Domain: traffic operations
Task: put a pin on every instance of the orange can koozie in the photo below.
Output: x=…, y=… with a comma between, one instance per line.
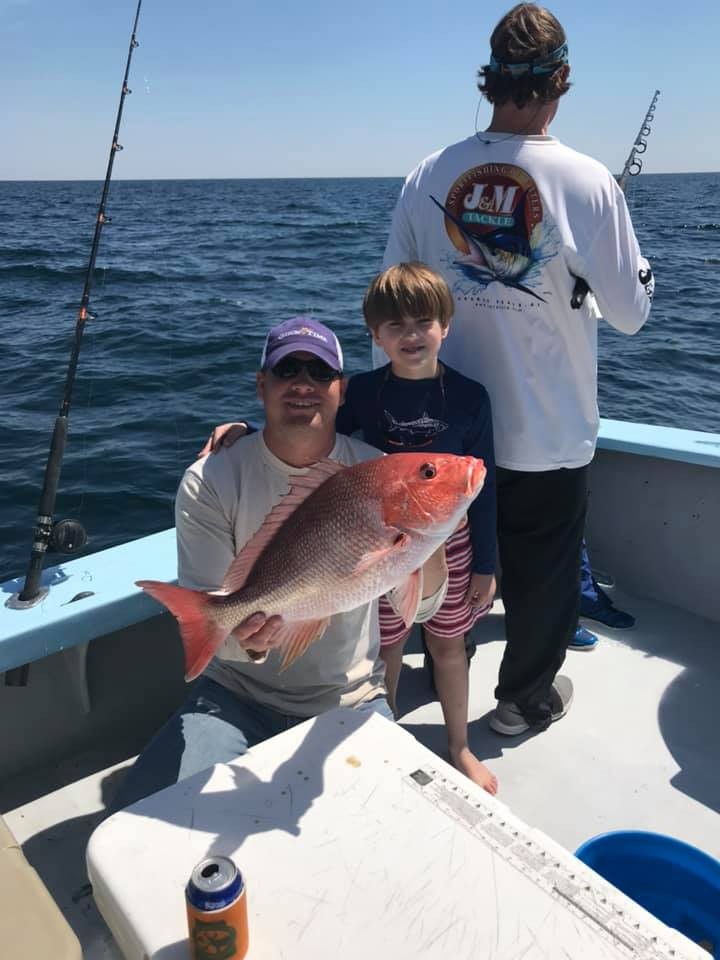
x=217, y=911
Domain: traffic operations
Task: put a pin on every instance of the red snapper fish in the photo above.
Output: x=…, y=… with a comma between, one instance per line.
x=341, y=537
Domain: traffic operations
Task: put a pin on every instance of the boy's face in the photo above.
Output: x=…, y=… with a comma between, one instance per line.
x=412, y=344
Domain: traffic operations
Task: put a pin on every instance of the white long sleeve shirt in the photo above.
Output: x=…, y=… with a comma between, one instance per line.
x=523, y=214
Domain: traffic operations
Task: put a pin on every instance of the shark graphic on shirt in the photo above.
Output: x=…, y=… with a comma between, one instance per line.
x=413, y=432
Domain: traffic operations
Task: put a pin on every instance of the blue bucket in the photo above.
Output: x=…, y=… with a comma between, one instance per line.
x=674, y=881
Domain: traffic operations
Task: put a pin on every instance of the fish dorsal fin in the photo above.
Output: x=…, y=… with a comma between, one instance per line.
x=301, y=486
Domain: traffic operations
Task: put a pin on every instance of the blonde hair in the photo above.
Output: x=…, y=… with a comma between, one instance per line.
x=407, y=290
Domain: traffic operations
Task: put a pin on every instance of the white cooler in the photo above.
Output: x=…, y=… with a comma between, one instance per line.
x=358, y=843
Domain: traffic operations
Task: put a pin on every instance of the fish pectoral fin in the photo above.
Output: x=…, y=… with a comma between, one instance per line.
x=398, y=541
x=405, y=598
x=296, y=637
x=301, y=486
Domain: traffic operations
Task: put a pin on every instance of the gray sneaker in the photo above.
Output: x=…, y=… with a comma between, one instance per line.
x=507, y=718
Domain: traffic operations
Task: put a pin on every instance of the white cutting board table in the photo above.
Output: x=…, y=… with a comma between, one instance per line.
x=358, y=843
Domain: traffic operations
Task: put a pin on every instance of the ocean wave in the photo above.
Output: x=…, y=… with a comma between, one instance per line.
x=23, y=253
x=35, y=271
x=108, y=274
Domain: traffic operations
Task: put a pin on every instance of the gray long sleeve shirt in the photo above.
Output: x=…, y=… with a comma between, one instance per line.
x=222, y=501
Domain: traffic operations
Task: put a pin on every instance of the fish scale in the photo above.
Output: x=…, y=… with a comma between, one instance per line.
x=287, y=583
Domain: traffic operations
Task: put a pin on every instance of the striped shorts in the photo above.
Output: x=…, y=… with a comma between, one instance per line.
x=455, y=617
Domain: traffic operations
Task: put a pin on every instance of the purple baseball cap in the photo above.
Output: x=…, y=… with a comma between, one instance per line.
x=302, y=333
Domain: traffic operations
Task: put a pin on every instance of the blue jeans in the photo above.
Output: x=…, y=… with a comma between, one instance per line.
x=588, y=588
x=213, y=725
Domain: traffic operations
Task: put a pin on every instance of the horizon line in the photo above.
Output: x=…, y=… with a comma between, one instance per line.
x=386, y=176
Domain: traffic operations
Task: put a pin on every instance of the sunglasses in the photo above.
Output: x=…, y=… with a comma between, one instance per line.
x=290, y=367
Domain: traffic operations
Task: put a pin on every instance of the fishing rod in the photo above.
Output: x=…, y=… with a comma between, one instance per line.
x=67, y=536
x=633, y=166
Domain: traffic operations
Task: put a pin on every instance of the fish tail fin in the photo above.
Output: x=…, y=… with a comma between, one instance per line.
x=201, y=635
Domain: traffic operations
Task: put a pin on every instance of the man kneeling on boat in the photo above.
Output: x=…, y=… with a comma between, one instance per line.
x=243, y=696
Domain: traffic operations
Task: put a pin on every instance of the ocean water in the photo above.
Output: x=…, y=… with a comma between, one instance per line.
x=189, y=276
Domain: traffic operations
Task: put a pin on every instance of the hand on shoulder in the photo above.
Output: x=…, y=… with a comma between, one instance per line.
x=224, y=435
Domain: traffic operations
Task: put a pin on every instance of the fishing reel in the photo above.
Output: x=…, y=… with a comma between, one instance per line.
x=67, y=537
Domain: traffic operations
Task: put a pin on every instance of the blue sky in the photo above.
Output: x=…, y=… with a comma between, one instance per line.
x=242, y=88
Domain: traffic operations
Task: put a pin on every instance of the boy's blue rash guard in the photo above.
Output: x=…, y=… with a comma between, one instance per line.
x=451, y=414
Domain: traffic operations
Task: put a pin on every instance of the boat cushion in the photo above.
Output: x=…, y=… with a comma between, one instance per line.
x=31, y=924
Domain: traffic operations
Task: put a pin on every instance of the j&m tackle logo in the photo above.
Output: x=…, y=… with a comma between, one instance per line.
x=494, y=219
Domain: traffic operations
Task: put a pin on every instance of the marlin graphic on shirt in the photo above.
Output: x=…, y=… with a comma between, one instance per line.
x=410, y=432
x=501, y=254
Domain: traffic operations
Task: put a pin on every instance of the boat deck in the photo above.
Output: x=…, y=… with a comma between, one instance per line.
x=638, y=750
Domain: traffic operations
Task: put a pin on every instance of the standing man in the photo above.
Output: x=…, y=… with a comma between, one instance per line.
x=511, y=217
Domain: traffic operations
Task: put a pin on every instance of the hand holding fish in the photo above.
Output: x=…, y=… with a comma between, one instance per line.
x=258, y=633
x=224, y=435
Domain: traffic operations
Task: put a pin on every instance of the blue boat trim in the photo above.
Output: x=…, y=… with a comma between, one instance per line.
x=666, y=443
x=56, y=623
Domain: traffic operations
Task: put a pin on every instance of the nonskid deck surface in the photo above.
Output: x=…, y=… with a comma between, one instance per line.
x=638, y=750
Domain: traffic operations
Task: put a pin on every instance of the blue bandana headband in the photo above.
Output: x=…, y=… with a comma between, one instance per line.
x=539, y=67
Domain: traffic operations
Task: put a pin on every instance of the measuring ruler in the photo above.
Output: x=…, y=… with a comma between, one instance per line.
x=608, y=914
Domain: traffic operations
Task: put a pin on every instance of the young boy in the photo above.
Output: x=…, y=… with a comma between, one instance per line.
x=418, y=403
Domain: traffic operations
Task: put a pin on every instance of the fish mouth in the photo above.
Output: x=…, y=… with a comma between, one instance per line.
x=475, y=476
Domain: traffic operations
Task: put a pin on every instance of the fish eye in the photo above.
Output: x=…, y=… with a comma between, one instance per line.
x=428, y=471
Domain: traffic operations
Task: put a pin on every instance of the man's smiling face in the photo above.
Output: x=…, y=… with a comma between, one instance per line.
x=300, y=401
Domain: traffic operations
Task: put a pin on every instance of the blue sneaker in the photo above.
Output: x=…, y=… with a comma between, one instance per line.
x=604, y=611
x=583, y=640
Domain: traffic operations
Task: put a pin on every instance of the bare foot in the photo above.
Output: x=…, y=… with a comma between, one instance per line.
x=466, y=762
